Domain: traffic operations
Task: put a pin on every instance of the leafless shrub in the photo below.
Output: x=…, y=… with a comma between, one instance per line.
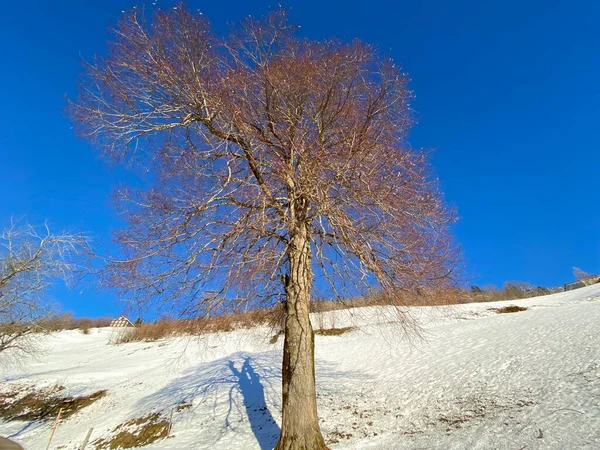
x=580, y=274
x=510, y=291
x=165, y=327
x=31, y=259
x=394, y=297
x=66, y=321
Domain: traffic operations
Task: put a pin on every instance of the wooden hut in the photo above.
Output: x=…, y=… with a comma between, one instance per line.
x=121, y=322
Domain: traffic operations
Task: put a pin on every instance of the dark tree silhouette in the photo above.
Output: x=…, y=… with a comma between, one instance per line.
x=253, y=393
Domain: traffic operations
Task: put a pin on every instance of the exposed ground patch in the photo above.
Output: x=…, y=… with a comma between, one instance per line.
x=362, y=416
x=334, y=331
x=28, y=404
x=136, y=433
x=509, y=309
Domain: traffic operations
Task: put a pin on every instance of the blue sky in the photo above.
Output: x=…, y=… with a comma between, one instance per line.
x=507, y=94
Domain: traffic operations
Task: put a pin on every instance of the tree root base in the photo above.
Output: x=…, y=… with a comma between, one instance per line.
x=301, y=443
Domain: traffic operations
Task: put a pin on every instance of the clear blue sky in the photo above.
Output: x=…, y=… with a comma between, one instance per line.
x=508, y=95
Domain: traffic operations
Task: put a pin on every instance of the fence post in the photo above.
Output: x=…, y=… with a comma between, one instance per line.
x=54, y=426
x=87, y=438
x=170, y=423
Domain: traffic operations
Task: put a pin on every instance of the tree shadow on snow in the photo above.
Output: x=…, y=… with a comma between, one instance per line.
x=234, y=395
x=26, y=426
x=263, y=425
x=240, y=388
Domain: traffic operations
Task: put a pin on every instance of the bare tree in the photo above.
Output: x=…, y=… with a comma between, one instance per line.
x=31, y=260
x=580, y=274
x=274, y=160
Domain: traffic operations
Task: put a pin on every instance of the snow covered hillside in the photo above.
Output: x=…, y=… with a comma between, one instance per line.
x=479, y=380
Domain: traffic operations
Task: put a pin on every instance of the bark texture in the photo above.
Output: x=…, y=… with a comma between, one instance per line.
x=300, y=426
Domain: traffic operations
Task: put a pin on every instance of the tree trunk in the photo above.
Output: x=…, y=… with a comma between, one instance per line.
x=300, y=426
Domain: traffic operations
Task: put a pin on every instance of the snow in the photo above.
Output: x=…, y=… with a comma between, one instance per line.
x=477, y=380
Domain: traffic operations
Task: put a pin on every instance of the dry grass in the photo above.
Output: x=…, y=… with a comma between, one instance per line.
x=43, y=404
x=136, y=433
x=449, y=296
x=68, y=322
x=274, y=316
x=334, y=331
x=509, y=309
x=439, y=297
x=169, y=327
x=510, y=291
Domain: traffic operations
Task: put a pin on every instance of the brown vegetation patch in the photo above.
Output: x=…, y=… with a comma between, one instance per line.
x=509, y=309
x=510, y=291
x=136, y=433
x=273, y=316
x=183, y=406
x=43, y=404
x=399, y=297
x=334, y=331
x=165, y=327
x=68, y=322
x=336, y=435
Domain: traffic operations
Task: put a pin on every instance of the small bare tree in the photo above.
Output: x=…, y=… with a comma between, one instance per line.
x=275, y=160
x=580, y=274
x=31, y=260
